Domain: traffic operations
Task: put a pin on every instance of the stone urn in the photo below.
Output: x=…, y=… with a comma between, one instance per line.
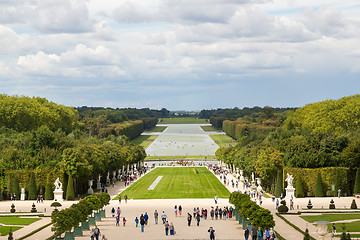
x=321, y=229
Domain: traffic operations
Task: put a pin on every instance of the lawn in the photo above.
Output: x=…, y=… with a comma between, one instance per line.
x=156, y=129
x=210, y=129
x=17, y=220
x=4, y=230
x=223, y=140
x=144, y=140
x=331, y=217
x=183, y=120
x=178, y=182
x=178, y=157
x=349, y=226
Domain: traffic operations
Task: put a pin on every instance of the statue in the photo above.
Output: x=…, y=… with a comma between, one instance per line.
x=58, y=184
x=289, y=180
x=253, y=177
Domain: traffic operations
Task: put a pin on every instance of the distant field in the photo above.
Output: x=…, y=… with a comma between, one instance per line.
x=210, y=129
x=144, y=140
x=178, y=182
x=184, y=120
x=157, y=129
x=177, y=157
x=223, y=140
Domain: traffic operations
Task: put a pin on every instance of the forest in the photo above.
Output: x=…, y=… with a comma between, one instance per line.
x=323, y=135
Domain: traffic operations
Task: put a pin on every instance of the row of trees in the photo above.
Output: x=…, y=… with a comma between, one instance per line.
x=291, y=141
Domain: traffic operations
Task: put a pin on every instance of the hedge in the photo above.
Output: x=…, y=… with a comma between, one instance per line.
x=149, y=122
x=237, y=130
x=328, y=174
x=217, y=122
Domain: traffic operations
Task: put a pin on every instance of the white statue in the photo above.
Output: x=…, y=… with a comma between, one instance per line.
x=99, y=178
x=253, y=177
x=58, y=184
x=289, y=180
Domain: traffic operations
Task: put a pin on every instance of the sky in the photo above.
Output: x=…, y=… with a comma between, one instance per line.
x=180, y=54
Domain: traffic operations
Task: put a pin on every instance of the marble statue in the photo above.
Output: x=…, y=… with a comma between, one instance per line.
x=58, y=184
x=289, y=180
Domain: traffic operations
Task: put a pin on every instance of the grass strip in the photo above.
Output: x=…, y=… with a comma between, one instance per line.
x=156, y=129
x=35, y=231
x=4, y=230
x=210, y=129
x=291, y=224
x=331, y=217
x=182, y=120
x=17, y=220
x=279, y=236
x=223, y=140
x=144, y=140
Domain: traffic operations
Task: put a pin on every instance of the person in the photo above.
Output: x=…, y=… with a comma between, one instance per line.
x=146, y=217
x=96, y=232
x=272, y=234
x=291, y=204
x=212, y=233
x=246, y=233
x=254, y=233
x=216, y=213
x=180, y=210
x=216, y=198
x=197, y=219
x=212, y=213
x=126, y=198
x=163, y=217
x=333, y=229
x=175, y=210
x=166, y=224
x=119, y=199
x=136, y=222
x=339, y=192
x=117, y=220
x=103, y=237
x=118, y=211
x=124, y=221
x=277, y=203
x=113, y=212
x=194, y=212
x=260, y=234
x=142, y=222
x=205, y=214
x=267, y=234
x=156, y=216
x=92, y=234
x=172, y=229
x=189, y=217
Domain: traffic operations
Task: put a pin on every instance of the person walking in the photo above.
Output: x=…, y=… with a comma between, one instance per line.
x=126, y=198
x=197, y=219
x=124, y=221
x=142, y=223
x=118, y=211
x=136, y=222
x=113, y=212
x=96, y=232
x=119, y=199
x=92, y=234
x=291, y=204
x=267, y=234
x=166, y=224
x=117, y=220
x=180, y=210
x=175, y=211
x=216, y=198
x=246, y=233
x=260, y=234
x=172, y=229
x=163, y=217
x=339, y=192
x=254, y=233
x=156, y=216
x=212, y=233
x=189, y=217
x=272, y=234
x=146, y=217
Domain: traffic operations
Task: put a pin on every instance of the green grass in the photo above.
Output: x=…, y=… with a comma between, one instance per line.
x=156, y=129
x=17, y=220
x=210, y=129
x=4, y=230
x=178, y=157
x=183, y=120
x=351, y=235
x=349, y=227
x=144, y=140
x=177, y=182
x=331, y=217
x=223, y=140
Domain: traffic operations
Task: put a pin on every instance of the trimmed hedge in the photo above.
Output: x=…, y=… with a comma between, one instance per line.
x=217, y=122
x=357, y=182
x=149, y=122
x=238, y=130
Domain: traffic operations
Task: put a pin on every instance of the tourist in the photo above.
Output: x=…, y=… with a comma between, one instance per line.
x=194, y=212
x=103, y=237
x=333, y=229
x=146, y=217
x=126, y=198
x=96, y=232
x=260, y=234
x=212, y=233
x=189, y=219
x=92, y=234
x=246, y=233
x=197, y=219
x=205, y=213
x=166, y=224
x=272, y=234
x=172, y=229
x=124, y=221
x=220, y=213
x=180, y=210
x=267, y=234
x=136, y=222
x=277, y=203
x=156, y=216
x=339, y=192
x=142, y=222
x=175, y=210
x=254, y=233
x=212, y=213
x=291, y=204
x=163, y=217
x=119, y=199
x=216, y=213
x=117, y=220
x=113, y=212
x=216, y=199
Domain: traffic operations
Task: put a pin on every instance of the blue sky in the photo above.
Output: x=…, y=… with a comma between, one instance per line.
x=189, y=54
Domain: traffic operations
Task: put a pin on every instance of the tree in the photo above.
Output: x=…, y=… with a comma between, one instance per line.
x=307, y=235
x=337, y=184
x=16, y=188
x=357, y=182
x=319, y=187
x=32, y=188
x=49, y=194
x=279, y=184
x=70, y=195
x=299, y=193
x=268, y=163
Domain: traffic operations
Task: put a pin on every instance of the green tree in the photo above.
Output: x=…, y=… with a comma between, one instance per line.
x=319, y=187
x=70, y=194
x=299, y=193
x=32, y=187
x=357, y=181
x=49, y=194
x=338, y=184
x=279, y=184
x=268, y=163
x=16, y=188
x=306, y=235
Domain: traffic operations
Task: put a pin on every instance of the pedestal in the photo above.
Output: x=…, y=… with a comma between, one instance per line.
x=98, y=185
x=90, y=190
x=22, y=197
x=58, y=195
x=290, y=192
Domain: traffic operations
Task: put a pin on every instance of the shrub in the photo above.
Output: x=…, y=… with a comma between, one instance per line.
x=337, y=183
x=33, y=208
x=283, y=209
x=55, y=205
x=353, y=204
x=306, y=235
x=32, y=188
x=104, y=198
x=332, y=204
x=319, y=188
x=357, y=182
x=279, y=184
x=70, y=195
x=299, y=193
x=12, y=210
x=309, y=205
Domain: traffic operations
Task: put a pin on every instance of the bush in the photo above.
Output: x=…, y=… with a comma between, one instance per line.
x=338, y=184
x=306, y=235
x=357, y=182
x=283, y=209
x=353, y=204
x=309, y=205
x=33, y=208
x=32, y=188
x=332, y=204
x=279, y=184
x=12, y=210
x=299, y=193
x=70, y=195
x=319, y=187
